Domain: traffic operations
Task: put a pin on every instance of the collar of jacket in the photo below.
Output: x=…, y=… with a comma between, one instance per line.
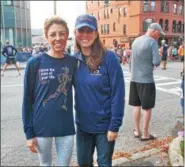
x=80, y=57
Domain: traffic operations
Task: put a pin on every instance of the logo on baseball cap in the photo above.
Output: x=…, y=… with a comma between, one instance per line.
x=86, y=20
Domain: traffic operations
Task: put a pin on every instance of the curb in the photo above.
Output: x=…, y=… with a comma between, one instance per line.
x=136, y=156
x=176, y=159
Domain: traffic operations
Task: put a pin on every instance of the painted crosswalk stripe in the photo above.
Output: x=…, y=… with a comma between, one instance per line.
x=168, y=83
x=7, y=86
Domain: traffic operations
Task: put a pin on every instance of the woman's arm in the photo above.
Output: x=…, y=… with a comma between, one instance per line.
x=117, y=92
x=28, y=98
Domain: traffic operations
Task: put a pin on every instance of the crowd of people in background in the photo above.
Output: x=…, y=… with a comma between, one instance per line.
x=123, y=53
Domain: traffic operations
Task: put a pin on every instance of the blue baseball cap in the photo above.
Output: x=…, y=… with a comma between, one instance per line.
x=86, y=20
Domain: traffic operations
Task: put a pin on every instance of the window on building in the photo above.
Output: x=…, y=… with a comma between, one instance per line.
x=107, y=28
x=146, y=23
x=114, y=26
x=9, y=2
x=179, y=26
x=124, y=11
x=152, y=6
x=86, y=4
x=98, y=3
x=167, y=7
x=111, y=10
x=101, y=29
x=120, y=11
x=2, y=37
x=92, y=1
x=145, y=6
x=174, y=26
x=124, y=29
x=11, y=36
x=161, y=22
x=181, y=9
x=106, y=2
x=166, y=25
x=107, y=13
x=164, y=6
x=182, y=28
x=98, y=15
x=175, y=8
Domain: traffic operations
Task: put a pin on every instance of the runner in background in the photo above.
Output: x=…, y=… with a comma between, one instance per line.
x=9, y=52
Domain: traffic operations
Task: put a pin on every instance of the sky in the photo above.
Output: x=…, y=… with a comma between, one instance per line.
x=68, y=10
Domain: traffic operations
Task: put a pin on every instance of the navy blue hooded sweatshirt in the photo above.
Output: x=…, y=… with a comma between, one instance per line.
x=99, y=95
x=47, y=109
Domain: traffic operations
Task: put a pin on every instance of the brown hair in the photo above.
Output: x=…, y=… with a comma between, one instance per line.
x=97, y=52
x=54, y=20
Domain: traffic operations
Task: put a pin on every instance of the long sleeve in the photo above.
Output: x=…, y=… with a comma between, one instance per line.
x=117, y=92
x=4, y=52
x=28, y=98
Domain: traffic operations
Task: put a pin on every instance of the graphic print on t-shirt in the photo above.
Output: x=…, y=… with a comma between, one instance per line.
x=64, y=78
x=9, y=51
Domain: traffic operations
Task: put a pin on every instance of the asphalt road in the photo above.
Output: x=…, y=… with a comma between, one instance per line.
x=165, y=114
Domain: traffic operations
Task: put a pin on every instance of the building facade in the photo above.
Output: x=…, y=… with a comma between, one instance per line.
x=16, y=23
x=123, y=21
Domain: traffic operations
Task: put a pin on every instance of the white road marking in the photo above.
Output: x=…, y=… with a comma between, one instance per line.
x=159, y=86
x=168, y=83
x=169, y=91
x=7, y=86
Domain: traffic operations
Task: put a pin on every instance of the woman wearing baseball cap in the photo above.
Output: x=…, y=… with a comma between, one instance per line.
x=99, y=95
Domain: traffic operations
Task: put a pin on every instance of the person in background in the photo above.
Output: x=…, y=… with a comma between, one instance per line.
x=119, y=53
x=47, y=109
x=170, y=53
x=181, y=54
x=164, y=54
x=99, y=95
x=174, y=53
x=182, y=94
x=9, y=51
x=145, y=56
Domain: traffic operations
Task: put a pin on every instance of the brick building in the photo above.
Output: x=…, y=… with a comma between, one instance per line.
x=123, y=21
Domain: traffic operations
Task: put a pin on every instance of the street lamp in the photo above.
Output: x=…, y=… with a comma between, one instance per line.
x=55, y=7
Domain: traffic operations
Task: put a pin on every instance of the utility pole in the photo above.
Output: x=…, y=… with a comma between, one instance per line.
x=55, y=7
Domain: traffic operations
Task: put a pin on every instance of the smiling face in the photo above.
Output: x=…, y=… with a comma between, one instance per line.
x=85, y=37
x=57, y=36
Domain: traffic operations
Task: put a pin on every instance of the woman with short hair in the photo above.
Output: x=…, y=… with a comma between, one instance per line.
x=47, y=111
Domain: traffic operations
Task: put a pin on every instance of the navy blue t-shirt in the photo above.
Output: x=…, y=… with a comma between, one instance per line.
x=47, y=102
x=9, y=51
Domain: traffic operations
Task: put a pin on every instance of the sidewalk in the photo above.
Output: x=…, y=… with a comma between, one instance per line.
x=155, y=153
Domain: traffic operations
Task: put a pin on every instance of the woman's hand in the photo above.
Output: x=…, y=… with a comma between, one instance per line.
x=111, y=136
x=32, y=145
